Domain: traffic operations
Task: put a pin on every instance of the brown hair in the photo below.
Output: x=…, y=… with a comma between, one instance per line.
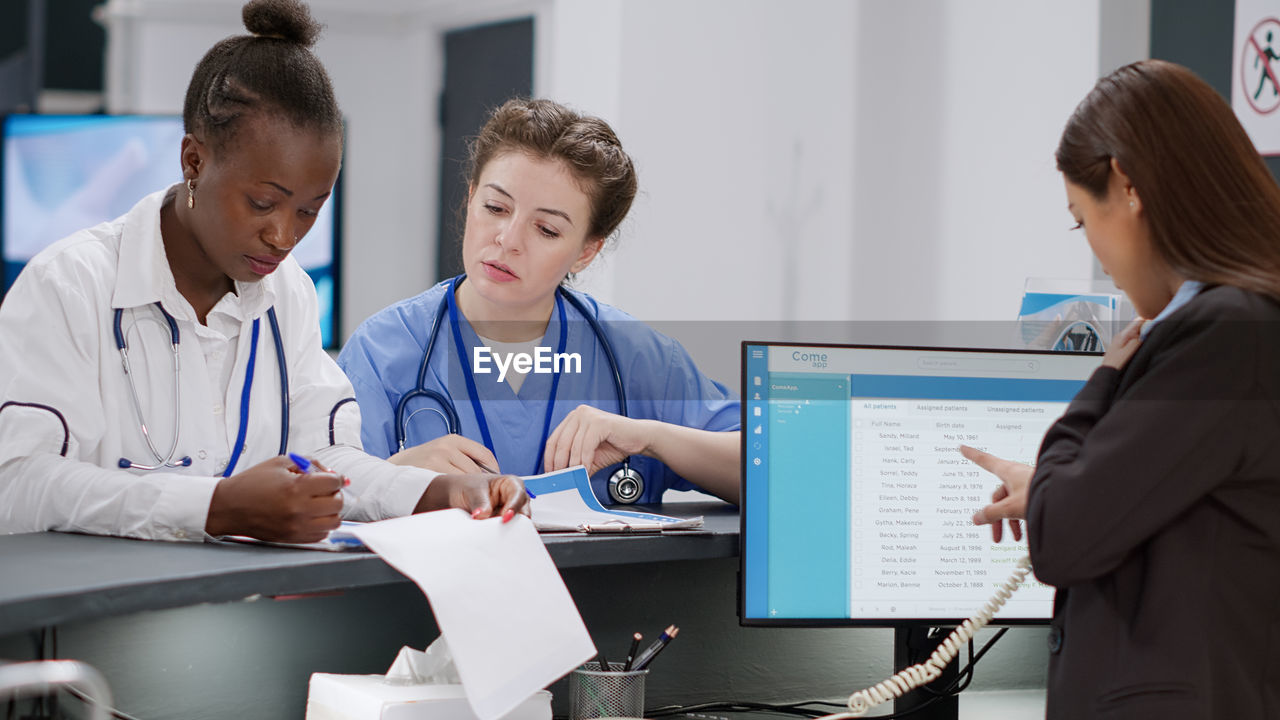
x=272, y=70
x=586, y=144
x=1212, y=205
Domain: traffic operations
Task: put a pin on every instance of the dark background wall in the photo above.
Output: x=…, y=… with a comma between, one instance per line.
x=73, y=42
x=1200, y=35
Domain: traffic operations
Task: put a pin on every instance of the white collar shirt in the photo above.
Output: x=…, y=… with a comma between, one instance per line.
x=68, y=419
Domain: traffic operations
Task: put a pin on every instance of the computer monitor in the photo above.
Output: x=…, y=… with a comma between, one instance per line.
x=857, y=505
x=62, y=173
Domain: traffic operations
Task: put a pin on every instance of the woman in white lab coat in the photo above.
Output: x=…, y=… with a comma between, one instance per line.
x=155, y=369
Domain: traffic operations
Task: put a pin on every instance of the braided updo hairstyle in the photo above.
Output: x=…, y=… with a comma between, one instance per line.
x=587, y=145
x=272, y=70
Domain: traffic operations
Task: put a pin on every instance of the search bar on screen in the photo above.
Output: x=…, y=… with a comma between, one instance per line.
x=979, y=364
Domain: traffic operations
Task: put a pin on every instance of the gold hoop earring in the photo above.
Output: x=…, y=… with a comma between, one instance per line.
x=191, y=193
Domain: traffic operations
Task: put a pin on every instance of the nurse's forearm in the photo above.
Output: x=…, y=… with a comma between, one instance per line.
x=708, y=459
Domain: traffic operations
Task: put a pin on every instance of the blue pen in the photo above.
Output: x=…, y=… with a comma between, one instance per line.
x=303, y=464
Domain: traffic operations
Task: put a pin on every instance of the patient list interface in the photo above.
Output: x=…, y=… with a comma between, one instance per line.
x=858, y=502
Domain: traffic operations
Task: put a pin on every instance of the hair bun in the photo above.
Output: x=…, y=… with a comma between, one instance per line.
x=285, y=19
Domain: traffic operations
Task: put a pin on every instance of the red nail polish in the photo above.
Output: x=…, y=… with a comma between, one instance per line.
x=507, y=515
x=346, y=481
x=475, y=514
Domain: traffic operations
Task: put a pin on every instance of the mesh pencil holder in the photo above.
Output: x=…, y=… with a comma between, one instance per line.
x=598, y=694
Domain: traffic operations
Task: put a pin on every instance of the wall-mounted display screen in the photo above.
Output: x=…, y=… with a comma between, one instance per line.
x=63, y=173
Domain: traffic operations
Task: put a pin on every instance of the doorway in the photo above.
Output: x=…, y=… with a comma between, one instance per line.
x=483, y=67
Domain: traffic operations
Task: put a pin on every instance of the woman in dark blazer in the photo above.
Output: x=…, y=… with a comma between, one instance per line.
x=1154, y=505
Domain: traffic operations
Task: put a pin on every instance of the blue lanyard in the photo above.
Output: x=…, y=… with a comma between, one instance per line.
x=461, y=349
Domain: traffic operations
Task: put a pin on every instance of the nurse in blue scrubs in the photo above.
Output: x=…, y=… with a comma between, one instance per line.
x=547, y=186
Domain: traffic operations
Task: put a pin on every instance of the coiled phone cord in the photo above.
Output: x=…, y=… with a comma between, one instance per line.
x=913, y=677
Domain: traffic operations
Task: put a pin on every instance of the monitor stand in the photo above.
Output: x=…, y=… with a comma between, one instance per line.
x=913, y=644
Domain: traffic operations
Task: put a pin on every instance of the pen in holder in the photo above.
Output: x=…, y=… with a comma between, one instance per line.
x=597, y=694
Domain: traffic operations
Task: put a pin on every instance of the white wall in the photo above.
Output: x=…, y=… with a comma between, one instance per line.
x=823, y=160
x=809, y=160
x=833, y=160
x=740, y=118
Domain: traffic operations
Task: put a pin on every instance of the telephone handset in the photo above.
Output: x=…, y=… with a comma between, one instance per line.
x=913, y=677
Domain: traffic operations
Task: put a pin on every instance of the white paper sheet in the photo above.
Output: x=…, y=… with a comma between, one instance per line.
x=498, y=599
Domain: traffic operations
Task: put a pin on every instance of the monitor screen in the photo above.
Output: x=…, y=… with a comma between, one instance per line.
x=63, y=173
x=857, y=505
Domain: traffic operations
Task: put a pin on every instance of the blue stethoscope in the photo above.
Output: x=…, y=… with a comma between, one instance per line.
x=166, y=460
x=626, y=484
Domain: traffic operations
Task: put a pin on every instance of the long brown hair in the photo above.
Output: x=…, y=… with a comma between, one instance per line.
x=1212, y=205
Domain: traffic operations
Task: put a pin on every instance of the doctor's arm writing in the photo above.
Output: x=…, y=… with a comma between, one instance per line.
x=381, y=490
x=595, y=438
x=271, y=501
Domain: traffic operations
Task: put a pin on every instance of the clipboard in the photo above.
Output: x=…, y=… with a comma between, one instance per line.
x=562, y=502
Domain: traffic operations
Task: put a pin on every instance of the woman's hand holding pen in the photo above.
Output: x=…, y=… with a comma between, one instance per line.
x=449, y=454
x=274, y=501
x=1009, y=501
x=595, y=438
x=481, y=495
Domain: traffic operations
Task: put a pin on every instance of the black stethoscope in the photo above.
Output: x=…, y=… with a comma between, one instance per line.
x=626, y=484
x=166, y=460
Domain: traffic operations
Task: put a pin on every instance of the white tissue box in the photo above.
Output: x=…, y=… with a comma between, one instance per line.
x=371, y=697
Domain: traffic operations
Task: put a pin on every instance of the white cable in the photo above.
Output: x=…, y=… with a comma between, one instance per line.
x=913, y=677
x=39, y=677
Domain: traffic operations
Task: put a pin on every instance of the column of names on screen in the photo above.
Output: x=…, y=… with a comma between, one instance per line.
x=915, y=550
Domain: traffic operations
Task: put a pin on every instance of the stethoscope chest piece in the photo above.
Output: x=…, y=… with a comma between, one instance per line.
x=626, y=485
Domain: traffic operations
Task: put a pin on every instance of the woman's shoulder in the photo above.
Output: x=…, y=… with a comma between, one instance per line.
x=1237, y=302
x=1224, y=316
x=86, y=259
x=640, y=349
x=600, y=311
x=93, y=254
x=1227, y=305
x=618, y=323
x=407, y=315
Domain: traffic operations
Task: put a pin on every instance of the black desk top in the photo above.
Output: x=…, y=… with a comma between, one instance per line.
x=53, y=578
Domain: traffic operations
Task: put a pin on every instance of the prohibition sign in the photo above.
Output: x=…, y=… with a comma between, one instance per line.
x=1259, y=69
